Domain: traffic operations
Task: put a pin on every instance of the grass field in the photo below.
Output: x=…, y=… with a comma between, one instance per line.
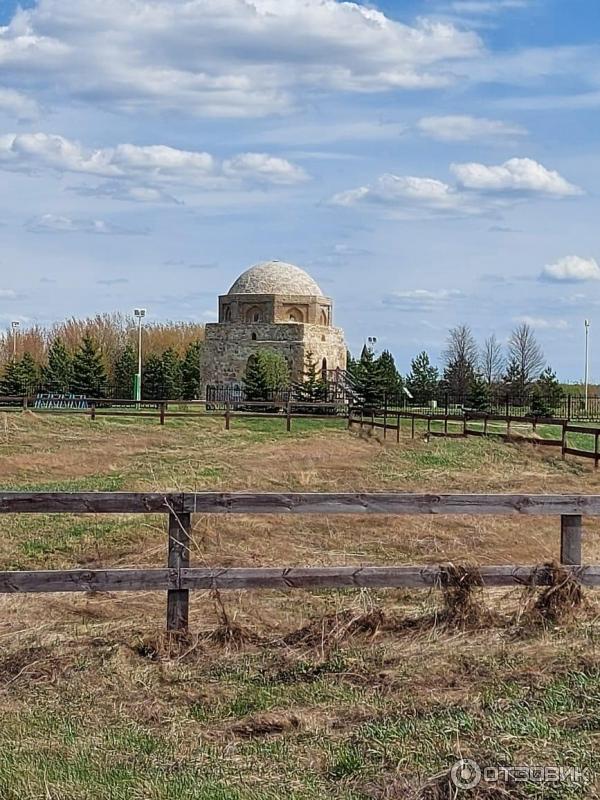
x=348, y=695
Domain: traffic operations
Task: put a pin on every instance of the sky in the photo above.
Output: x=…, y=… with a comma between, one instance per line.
x=429, y=162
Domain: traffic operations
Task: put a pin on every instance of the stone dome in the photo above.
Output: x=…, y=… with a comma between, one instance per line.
x=276, y=277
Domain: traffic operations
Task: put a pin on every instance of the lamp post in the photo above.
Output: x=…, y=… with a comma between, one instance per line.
x=140, y=313
x=586, y=379
x=15, y=327
x=371, y=342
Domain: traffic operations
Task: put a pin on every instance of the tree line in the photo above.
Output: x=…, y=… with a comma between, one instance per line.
x=98, y=357
x=470, y=373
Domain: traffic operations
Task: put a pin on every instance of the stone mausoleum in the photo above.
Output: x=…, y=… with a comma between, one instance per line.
x=272, y=306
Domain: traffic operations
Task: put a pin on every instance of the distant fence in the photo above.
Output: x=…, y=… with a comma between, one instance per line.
x=390, y=421
x=162, y=410
x=178, y=578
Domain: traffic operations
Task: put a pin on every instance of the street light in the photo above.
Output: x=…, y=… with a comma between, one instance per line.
x=15, y=327
x=586, y=323
x=140, y=313
x=372, y=341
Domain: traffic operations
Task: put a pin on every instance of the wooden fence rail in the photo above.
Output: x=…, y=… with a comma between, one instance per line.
x=179, y=577
x=392, y=422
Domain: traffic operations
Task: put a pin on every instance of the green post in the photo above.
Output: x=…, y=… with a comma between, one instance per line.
x=137, y=386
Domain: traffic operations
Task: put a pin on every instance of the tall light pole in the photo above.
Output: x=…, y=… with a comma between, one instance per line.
x=15, y=327
x=140, y=313
x=587, y=350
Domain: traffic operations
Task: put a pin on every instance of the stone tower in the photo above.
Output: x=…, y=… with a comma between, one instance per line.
x=272, y=306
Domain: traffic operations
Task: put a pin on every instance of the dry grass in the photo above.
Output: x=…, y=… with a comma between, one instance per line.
x=318, y=695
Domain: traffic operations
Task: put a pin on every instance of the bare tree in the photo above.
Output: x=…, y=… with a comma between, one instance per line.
x=491, y=360
x=526, y=357
x=460, y=359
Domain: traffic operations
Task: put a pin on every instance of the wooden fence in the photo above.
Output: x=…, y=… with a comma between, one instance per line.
x=178, y=577
x=390, y=421
x=162, y=410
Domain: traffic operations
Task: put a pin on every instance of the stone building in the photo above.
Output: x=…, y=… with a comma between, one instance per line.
x=272, y=306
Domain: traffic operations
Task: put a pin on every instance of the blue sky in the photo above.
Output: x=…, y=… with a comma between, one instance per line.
x=429, y=162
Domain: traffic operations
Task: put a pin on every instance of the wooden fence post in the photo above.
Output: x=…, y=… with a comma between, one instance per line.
x=412, y=431
x=398, y=429
x=288, y=416
x=564, y=440
x=385, y=412
x=465, y=431
x=570, y=539
x=361, y=417
x=162, y=413
x=428, y=424
x=446, y=424
x=485, y=424
x=227, y=415
x=179, y=557
x=24, y=402
x=93, y=412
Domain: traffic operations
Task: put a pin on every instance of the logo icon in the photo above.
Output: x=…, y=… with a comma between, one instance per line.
x=465, y=773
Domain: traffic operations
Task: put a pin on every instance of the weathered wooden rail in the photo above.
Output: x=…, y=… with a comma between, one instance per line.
x=391, y=422
x=162, y=410
x=179, y=577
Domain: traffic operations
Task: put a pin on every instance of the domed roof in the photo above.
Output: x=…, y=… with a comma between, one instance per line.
x=275, y=277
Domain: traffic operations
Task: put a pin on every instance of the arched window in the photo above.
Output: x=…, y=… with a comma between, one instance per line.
x=227, y=314
x=253, y=337
x=254, y=314
x=324, y=317
x=295, y=315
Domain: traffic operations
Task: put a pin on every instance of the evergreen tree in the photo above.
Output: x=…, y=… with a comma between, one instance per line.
x=171, y=369
x=153, y=378
x=58, y=373
x=266, y=373
x=190, y=371
x=478, y=396
x=547, y=394
x=89, y=375
x=313, y=388
x=391, y=381
x=11, y=379
x=368, y=378
x=513, y=381
x=423, y=380
x=21, y=376
x=125, y=370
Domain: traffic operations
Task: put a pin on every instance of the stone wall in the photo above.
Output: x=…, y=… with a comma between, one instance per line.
x=228, y=346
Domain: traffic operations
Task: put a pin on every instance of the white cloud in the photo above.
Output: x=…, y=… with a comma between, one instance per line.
x=571, y=269
x=487, y=6
x=463, y=128
x=263, y=168
x=55, y=223
x=126, y=165
x=221, y=57
x=405, y=192
x=516, y=174
x=547, y=323
x=422, y=299
x=18, y=105
x=7, y=294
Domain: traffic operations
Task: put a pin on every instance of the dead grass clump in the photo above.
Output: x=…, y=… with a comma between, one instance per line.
x=330, y=630
x=169, y=646
x=442, y=787
x=32, y=663
x=558, y=601
x=461, y=608
x=266, y=724
x=229, y=633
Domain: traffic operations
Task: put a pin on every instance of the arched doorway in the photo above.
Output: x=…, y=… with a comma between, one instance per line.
x=324, y=369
